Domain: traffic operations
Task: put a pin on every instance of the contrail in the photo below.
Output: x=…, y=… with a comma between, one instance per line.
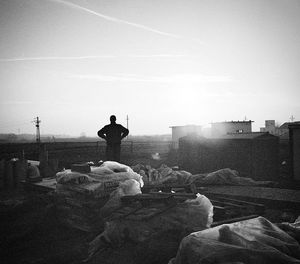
x=56, y=58
x=117, y=20
x=109, y=18
x=91, y=57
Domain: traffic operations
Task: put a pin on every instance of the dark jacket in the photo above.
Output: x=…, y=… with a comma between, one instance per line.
x=113, y=133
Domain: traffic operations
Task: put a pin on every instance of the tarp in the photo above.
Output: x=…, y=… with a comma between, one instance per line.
x=293, y=229
x=251, y=241
x=227, y=176
x=139, y=224
x=167, y=175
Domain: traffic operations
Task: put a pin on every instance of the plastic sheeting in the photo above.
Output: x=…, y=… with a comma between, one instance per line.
x=108, y=171
x=254, y=241
x=162, y=175
x=227, y=176
x=115, y=166
x=293, y=229
x=128, y=187
x=143, y=224
x=81, y=196
x=71, y=177
x=167, y=175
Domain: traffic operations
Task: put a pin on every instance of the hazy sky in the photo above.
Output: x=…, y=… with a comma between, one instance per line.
x=161, y=62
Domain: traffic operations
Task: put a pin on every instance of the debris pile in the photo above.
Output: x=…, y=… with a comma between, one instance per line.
x=107, y=200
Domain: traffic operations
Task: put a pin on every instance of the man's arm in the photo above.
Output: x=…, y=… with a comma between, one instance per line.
x=125, y=132
x=102, y=133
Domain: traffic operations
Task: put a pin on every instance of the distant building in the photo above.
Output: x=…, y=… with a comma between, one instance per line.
x=276, y=130
x=219, y=129
x=269, y=127
x=253, y=154
x=182, y=131
x=294, y=132
x=284, y=128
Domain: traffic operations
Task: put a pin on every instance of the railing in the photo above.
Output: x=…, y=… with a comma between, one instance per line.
x=31, y=150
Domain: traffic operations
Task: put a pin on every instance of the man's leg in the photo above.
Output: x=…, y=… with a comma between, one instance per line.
x=109, y=152
x=117, y=151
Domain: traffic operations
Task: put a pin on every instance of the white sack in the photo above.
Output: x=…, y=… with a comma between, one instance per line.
x=116, y=166
x=71, y=177
x=128, y=187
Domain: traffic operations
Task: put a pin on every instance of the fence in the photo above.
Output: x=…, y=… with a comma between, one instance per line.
x=70, y=152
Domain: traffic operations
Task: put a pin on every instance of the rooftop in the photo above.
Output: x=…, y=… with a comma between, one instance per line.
x=249, y=135
x=286, y=124
x=224, y=122
x=187, y=126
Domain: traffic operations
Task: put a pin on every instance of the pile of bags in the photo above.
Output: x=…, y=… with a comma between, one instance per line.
x=108, y=171
x=80, y=196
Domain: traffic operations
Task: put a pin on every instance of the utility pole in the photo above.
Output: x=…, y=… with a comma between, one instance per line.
x=37, y=122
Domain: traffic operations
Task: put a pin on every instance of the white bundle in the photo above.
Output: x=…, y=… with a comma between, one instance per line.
x=68, y=176
x=116, y=166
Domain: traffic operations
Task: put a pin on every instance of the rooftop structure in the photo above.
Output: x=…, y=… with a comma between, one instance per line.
x=222, y=128
x=181, y=131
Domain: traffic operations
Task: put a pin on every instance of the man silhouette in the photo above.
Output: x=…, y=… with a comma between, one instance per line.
x=113, y=134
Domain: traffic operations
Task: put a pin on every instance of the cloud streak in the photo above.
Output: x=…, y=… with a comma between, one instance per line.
x=172, y=79
x=125, y=22
x=53, y=58
x=16, y=102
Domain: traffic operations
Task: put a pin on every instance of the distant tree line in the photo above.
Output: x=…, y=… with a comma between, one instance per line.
x=29, y=138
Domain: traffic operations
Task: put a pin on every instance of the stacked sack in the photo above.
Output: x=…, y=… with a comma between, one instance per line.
x=81, y=194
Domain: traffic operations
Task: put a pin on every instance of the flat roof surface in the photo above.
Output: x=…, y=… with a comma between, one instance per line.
x=249, y=135
x=187, y=126
x=226, y=122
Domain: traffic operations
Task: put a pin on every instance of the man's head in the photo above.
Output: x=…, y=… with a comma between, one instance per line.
x=113, y=119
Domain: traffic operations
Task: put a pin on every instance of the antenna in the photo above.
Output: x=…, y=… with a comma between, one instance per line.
x=292, y=118
x=37, y=122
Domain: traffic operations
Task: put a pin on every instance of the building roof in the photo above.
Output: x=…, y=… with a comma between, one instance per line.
x=233, y=122
x=250, y=135
x=186, y=126
x=286, y=124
